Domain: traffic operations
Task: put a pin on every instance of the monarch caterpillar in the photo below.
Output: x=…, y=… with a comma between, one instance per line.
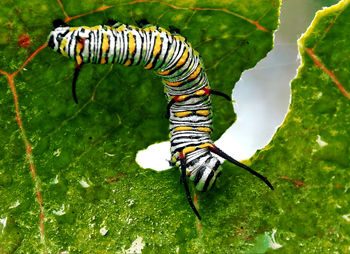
x=182, y=73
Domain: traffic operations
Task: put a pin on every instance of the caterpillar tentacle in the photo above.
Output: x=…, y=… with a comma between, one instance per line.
x=183, y=75
x=183, y=180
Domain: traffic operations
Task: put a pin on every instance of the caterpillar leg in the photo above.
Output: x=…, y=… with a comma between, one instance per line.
x=184, y=180
x=217, y=151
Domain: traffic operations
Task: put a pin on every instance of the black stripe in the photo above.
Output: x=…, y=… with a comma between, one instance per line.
x=150, y=60
x=197, y=159
x=155, y=59
x=207, y=181
x=216, y=166
x=101, y=33
x=177, y=55
x=179, y=149
x=109, y=48
x=199, y=175
x=115, y=46
x=176, y=121
x=166, y=52
x=126, y=47
x=185, y=81
x=187, y=125
x=132, y=56
x=141, y=46
x=189, y=141
x=69, y=44
x=90, y=45
x=200, y=102
x=176, y=69
x=165, y=57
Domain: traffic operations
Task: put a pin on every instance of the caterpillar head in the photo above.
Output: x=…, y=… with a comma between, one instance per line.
x=70, y=41
x=59, y=34
x=65, y=39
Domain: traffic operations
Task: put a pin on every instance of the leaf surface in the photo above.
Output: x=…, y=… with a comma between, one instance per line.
x=309, y=154
x=69, y=180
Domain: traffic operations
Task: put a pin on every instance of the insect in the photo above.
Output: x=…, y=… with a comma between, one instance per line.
x=182, y=72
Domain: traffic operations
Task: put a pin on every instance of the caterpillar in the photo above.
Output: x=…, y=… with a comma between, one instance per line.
x=186, y=85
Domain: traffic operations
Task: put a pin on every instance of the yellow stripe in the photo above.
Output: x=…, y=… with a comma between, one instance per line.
x=164, y=72
x=95, y=28
x=182, y=97
x=128, y=62
x=183, y=58
x=205, y=129
x=203, y=112
x=78, y=49
x=72, y=29
x=105, y=46
x=157, y=46
x=86, y=27
x=180, y=38
x=183, y=114
x=148, y=66
x=172, y=83
x=184, y=128
x=62, y=46
x=205, y=145
x=132, y=44
x=199, y=92
x=188, y=150
x=121, y=28
x=150, y=29
x=78, y=59
x=195, y=73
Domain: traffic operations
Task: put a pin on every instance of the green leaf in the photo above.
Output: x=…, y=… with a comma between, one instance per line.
x=309, y=155
x=68, y=176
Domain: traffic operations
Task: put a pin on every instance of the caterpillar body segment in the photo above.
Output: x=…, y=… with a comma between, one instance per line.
x=183, y=75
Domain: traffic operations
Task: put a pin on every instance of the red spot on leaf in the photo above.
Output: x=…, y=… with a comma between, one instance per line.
x=112, y=179
x=298, y=183
x=115, y=179
x=24, y=41
x=249, y=238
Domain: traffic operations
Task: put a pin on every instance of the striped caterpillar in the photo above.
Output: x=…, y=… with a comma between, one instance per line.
x=182, y=73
